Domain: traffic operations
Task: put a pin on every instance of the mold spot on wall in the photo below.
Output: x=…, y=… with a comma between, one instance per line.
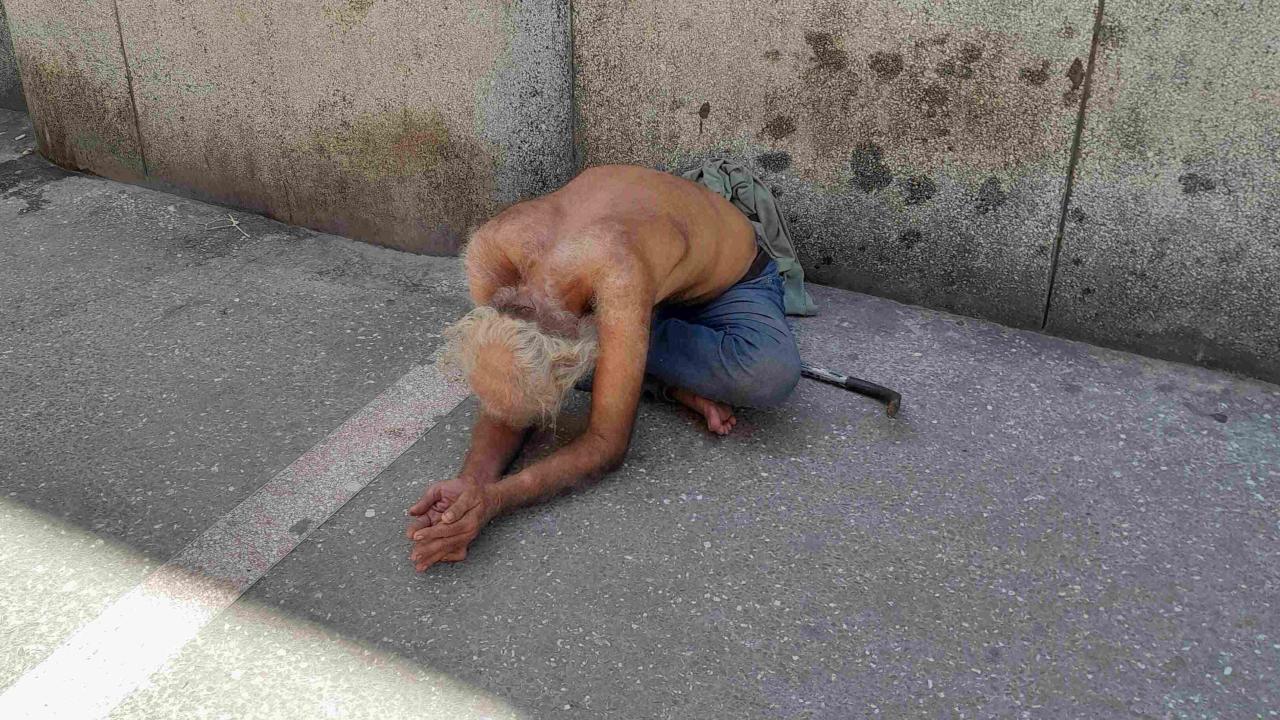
x=961, y=66
x=910, y=238
x=868, y=168
x=1036, y=75
x=886, y=65
x=1079, y=215
x=780, y=127
x=1112, y=34
x=394, y=144
x=934, y=98
x=1193, y=183
x=349, y=14
x=1076, y=74
x=773, y=55
x=919, y=189
x=991, y=196
x=826, y=54
x=705, y=111
x=93, y=128
x=775, y=161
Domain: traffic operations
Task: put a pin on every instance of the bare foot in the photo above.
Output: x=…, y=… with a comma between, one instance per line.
x=719, y=417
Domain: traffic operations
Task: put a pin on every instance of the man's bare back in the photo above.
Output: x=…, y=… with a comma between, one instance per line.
x=605, y=250
x=691, y=243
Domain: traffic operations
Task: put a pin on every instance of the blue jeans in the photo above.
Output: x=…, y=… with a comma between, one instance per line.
x=735, y=349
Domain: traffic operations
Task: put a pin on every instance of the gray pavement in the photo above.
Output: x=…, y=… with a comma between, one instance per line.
x=1049, y=530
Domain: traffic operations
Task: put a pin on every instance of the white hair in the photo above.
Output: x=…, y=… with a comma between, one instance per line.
x=539, y=351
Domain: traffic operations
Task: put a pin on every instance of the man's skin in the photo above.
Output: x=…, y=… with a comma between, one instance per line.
x=616, y=241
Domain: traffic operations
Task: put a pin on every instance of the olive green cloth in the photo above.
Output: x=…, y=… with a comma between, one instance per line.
x=737, y=185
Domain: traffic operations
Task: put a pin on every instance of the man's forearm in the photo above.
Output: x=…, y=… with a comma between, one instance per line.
x=493, y=447
x=584, y=459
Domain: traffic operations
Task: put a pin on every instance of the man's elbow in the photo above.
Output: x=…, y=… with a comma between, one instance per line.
x=609, y=451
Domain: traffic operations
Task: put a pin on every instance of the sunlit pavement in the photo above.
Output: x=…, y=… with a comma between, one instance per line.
x=1048, y=529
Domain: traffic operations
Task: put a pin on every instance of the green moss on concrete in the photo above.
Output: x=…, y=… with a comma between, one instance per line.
x=397, y=144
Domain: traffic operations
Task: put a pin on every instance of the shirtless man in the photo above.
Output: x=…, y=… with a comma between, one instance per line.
x=653, y=280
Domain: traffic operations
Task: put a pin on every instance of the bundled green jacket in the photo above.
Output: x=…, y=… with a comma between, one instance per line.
x=737, y=185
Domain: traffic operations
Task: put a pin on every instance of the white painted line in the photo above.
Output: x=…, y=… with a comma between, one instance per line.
x=112, y=655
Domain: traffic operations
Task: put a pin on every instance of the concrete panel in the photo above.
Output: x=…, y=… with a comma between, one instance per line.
x=395, y=122
x=921, y=147
x=76, y=84
x=1173, y=242
x=10, y=83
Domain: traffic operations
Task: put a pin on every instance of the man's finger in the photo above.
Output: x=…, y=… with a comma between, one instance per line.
x=442, y=546
x=417, y=523
x=427, y=558
x=460, y=508
x=437, y=531
x=430, y=497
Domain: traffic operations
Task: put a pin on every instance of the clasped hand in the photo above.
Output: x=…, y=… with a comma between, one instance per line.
x=447, y=519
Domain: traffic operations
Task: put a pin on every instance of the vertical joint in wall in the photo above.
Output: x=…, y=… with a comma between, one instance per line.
x=1076, y=140
x=133, y=100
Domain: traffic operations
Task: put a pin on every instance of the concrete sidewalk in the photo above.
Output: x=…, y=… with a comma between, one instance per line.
x=1049, y=530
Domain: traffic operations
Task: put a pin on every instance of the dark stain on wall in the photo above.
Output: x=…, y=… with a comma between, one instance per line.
x=428, y=181
x=991, y=196
x=934, y=98
x=826, y=54
x=1036, y=75
x=1193, y=183
x=869, y=171
x=773, y=55
x=961, y=66
x=775, y=161
x=919, y=189
x=1076, y=74
x=910, y=238
x=705, y=111
x=886, y=65
x=780, y=127
x=88, y=126
x=1079, y=215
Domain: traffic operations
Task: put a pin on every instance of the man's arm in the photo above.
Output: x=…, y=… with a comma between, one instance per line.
x=624, y=302
x=493, y=446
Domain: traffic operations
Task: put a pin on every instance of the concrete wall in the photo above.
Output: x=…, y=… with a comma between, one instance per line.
x=76, y=85
x=1173, y=241
x=923, y=149
x=10, y=83
x=392, y=121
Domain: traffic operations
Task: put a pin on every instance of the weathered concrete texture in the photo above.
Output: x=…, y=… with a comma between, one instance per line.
x=921, y=147
x=1173, y=244
x=394, y=122
x=76, y=85
x=10, y=82
x=155, y=372
x=1048, y=530
x=16, y=136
